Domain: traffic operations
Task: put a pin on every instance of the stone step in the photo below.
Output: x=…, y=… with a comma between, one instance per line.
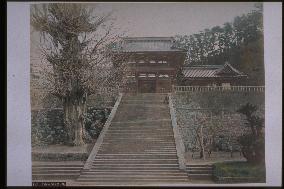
x=200, y=172
x=148, y=152
x=93, y=172
x=200, y=169
x=147, y=128
x=146, y=136
x=53, y=176
x=131, y=162
x=135, y=129
x=138, y=117
x=152, y=139
x=133, y=159
x=103, y=177
x=130, y=168
x=140, y=147
x=146, y=146
x=128, y=178
x=54, y=171
x=58, y=163
x=138, y=164
x=199, y=165
x=135, y=166
x=123, y=152
x=152, y=105
x=134, y=183
x=152, y=149
x=145, y=98
x=144, y=162
x=153, y=131
x=143, y=122
x=56, y=168
x=141, y=133
x=138, y=141
x=161, y=139
x=200, y=176
x=107, y=181
x=151, y=169
x=133, y=150
x=139, y=156
x=133, y=171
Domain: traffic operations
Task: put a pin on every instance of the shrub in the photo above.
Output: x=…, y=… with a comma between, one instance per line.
x=48, y=126
x=239, y=169
x=252, y=144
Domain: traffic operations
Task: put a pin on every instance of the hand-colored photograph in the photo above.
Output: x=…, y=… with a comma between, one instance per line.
x=147, y=94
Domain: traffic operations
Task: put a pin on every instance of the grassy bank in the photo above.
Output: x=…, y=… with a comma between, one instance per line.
x=242, y=171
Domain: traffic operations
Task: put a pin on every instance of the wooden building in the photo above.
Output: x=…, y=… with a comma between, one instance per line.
x=153, y=63
x=213, y=75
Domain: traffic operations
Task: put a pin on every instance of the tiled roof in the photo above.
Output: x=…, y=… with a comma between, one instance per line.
x=209, y=71
x=141, y=44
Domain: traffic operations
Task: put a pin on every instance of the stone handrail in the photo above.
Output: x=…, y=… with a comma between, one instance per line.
x=218, y=88
x=178, y=139
x=99, y=141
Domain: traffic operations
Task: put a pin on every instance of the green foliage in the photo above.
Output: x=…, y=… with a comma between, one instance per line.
x=239, y=42
x=239, y=169
x=48, y=127
x=231, y=123
x=253, y=145
x=95, y=120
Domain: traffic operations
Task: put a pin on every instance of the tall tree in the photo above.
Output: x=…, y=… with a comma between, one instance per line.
x=77, y=46
x=239, y=42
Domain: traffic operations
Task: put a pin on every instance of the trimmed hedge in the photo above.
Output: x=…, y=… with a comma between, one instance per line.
x=238, y=172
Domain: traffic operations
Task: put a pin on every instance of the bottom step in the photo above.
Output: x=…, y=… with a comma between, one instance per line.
x=200, y=176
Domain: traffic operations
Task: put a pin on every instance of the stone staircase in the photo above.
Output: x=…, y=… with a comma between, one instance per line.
x=202, y=171
x=138, y=147
x=48, y=170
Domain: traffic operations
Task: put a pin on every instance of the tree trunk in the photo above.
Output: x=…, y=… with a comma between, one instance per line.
x=79, y=124
x=74, y=118
x=67, y=108
x=202, y=142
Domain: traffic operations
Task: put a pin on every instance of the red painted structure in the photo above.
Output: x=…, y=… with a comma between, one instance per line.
x=154, y=63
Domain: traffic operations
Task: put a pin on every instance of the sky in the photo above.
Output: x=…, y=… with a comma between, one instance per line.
x=165, y=19
x=169, y=19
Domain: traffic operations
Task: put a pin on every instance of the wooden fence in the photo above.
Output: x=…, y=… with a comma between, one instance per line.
x=218, y=88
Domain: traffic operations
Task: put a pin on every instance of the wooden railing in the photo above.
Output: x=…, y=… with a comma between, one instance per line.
x=218, y=88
